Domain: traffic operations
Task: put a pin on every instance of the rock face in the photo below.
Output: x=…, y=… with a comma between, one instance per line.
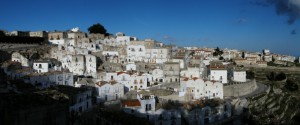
x=273, y=107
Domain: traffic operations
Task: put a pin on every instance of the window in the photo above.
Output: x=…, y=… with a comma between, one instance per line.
x=40, y=65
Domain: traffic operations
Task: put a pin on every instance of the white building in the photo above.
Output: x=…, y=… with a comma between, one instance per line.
x=90, y=65
x=18, y=57
x=196, y=89
x=157, y=55
x=122, y=39
x=52, y=78
x=78, y=64
x=109, y=91
x=143, y=104
x=136, y=53
x=218, y=73
x=239, y=76
x=80, y=98
x=133, y=81
x=190, y=72
x=158, y=75
x=130, y=66
x=41, y=66
x=111, y=56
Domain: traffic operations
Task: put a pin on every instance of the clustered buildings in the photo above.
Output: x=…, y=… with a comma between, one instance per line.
x=115, y=65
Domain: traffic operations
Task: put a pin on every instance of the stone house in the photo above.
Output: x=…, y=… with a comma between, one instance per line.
x=110, y=56
x=57, y=35
x=42, y=34
x=171, y=71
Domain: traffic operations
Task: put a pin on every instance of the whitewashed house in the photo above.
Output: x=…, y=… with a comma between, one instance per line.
x=111, y=56
x=130, y=66
x=133, y=81
x=190, y=72
x=41, y=66
x=78, y=64
x=218, y=72
x=80, y=98
x=18, y=57
x=198, y=88
x=239, y=76
x=156, y=55
x=109, y=91
x=52, y=78
x=135, y=53
x=158, y=75
x=122, y=39
x=91, y=65
x=143, y=104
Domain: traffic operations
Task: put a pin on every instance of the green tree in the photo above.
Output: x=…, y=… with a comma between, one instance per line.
x=291, y=85
x=2, y=33
x=97, y=28
x=218, y=52
x=250, y=75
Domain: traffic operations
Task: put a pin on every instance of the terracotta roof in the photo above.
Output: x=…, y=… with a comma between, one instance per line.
x=195, y=78
x=217, y=67
x=186, y=79
x=119, y=73
x=131, y=103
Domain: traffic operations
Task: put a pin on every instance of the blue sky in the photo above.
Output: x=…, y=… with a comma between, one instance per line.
x=237, y=24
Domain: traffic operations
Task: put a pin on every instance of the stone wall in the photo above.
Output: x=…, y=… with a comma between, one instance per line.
x=236, y=89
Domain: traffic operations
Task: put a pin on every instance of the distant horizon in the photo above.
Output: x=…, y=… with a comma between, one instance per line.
x=251, y=25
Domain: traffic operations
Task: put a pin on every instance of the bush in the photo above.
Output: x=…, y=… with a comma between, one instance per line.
x=281, y=76
x=155, y=83
x=291, y=85
x=250, y=75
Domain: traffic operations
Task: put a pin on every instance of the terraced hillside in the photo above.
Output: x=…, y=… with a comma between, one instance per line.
x=279, y=105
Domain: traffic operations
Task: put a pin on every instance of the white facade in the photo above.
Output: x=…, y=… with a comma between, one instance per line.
x=17, y=57
x=239, y=76
x=197, y=89
x=191, y=72
x=122, y=40
x=218, y=75
x=159, y=55
x=41, y=67
x=45, y=80
x=130, y=66
x=134, y=81
x=78, y=64
x=91, y=65
x=58, y=42
x=158, y=75
x=81, y=102
x=109, y=91
x=135, y=53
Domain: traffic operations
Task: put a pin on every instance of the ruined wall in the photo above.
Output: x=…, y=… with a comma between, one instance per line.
x=236, y=89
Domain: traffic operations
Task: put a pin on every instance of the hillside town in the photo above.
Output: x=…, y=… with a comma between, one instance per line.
x=74, y=73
